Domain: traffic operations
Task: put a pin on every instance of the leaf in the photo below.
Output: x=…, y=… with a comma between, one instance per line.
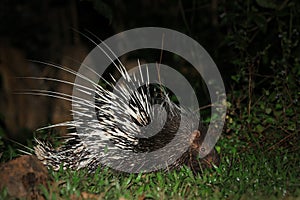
x=259, y=128
x=103, y=9
x=266, y=4
x=268, y=110
x=291, y=127
x=218, y=149
x=261, y=22
x=278, y=106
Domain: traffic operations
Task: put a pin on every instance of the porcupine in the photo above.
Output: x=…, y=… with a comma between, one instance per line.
x=119, y=118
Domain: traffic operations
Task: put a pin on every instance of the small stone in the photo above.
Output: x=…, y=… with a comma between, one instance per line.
x=23, y=176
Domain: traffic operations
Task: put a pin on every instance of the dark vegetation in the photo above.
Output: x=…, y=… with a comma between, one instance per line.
x=255, y=45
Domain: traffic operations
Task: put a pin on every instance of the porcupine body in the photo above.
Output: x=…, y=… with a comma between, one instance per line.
x=121, y=116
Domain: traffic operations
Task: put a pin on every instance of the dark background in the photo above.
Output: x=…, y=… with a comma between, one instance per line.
x=254, y=44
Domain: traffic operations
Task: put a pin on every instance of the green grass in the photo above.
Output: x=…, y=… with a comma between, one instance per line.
x=244, y=173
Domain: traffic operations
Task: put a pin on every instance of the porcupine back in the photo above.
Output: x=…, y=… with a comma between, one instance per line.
x=121, y=116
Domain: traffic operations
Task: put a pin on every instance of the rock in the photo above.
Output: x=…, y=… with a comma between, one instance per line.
x=23, y=176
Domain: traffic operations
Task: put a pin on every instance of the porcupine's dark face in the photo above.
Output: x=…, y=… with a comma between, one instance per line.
x=195, y=163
